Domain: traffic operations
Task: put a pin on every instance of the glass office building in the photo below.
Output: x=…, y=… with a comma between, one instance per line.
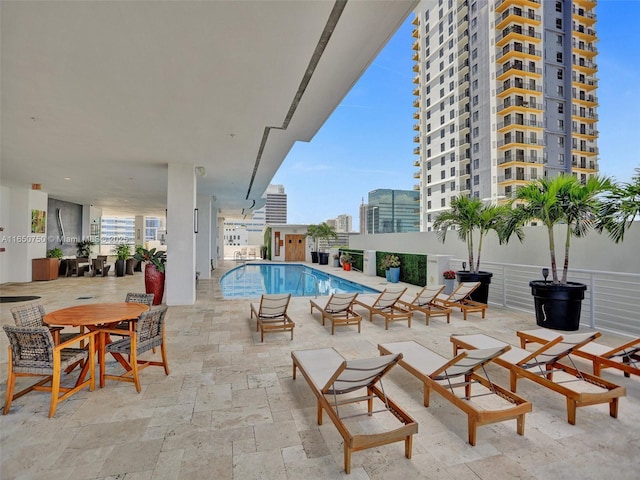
x=393, y=211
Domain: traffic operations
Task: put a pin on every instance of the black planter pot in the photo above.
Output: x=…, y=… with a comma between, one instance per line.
x=558, y=306
x=120, y=264
x=480, y=294
x=323, y=258
x=314, y=257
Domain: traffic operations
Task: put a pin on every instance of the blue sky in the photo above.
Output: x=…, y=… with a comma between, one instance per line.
x=367, y=143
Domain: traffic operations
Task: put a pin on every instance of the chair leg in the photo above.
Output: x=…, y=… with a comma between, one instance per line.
x=134, y=369
x=55, y=384
x=11, y=383
x=165, y=364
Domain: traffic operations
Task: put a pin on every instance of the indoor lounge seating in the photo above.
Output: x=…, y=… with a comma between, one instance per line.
x=99, y=266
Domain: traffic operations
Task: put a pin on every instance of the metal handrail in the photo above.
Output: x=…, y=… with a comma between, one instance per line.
x=315, y=282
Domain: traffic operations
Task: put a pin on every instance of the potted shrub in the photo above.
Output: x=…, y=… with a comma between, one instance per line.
x=561, y=200
x=466, y=216
x=312, y=231
x=325, y=232
x=122, y=252
x=391, y=265
x=153, y=272
x=83, y=249
x=55, y=253
x=345, y=259
x=449, y=277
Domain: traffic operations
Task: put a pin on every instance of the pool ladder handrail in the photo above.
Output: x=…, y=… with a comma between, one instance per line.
x=315, y=282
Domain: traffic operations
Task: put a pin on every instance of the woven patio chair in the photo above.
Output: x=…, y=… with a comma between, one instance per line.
x=32, y=314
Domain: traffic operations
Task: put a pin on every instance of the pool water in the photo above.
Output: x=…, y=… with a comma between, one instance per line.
x=253, y=280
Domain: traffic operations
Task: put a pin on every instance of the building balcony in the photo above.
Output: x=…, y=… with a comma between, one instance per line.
x=502, y=5
x=416, y=92
x=516, y=85
x=417, y=187
x=416, y=139
x=585, y=132
x=586, y=66
x=519, y=16
x=417, y=174
x=586, y=100
x=584, y=150
x=416, y=115
x=416, y=126
x=590, y=165
x=517, y=33
x=416, y=151
x=510, y=104
x=517, y=178
x=513, y=50
x=415, y=33
x=416, y=20
x=416, y=103
x=416, y=163
x=586, y=34
x=515, y=159
x=520, y=124
x=520, y=142
x=416, y=45
x=585, y=82
x=583, y=16
x=588, y=4
x=582, y=48
x=518, y=69
x=416, y=57
x=582, y=113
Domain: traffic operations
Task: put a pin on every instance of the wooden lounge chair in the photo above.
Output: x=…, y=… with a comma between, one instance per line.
x=424, y=302
x=483, y=401
x=625, y=357
x=333, y=380
x=271, y=314
x=385, y=305
x=339, y=310
x=459, y=298
x=543, y=367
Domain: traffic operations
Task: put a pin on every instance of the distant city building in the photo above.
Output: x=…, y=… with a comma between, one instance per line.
x=393, y=211
x=276, y=206
x=344, y=223
x=115, y=230
x=332, y=223
x=505, y=94
x=235, y=235
x=363, y=218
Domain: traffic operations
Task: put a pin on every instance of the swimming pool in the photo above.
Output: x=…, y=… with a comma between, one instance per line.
x=253, y=280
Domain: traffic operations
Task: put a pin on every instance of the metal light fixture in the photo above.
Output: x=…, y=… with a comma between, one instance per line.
x=545, y=273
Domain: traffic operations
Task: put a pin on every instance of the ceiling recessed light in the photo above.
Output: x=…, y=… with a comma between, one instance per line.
x=67, y=178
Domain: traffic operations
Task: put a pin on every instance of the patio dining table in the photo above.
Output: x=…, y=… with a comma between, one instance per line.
x=95, y=316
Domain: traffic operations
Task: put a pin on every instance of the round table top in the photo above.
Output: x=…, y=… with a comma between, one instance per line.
x=95, y=314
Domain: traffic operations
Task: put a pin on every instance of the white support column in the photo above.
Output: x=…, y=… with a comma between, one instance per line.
x=180, y=279
x=204, y=236
x=139, y=230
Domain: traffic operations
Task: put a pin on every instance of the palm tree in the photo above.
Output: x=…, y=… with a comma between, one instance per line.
x=620, y=208
x=561, y=200
x=467, y=215
x=326, y=232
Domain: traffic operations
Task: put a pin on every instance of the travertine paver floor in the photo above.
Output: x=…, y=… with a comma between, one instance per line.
x=230, y=409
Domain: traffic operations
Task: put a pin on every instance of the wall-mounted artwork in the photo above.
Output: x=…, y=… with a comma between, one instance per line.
x=38, y=221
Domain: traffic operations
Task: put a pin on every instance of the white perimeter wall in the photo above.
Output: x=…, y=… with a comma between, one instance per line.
x=594, y=252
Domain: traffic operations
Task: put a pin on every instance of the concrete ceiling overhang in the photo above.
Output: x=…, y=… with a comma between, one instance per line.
x=99, y=97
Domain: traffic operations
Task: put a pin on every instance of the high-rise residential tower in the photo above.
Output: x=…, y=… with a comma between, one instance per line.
x=505, y=94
